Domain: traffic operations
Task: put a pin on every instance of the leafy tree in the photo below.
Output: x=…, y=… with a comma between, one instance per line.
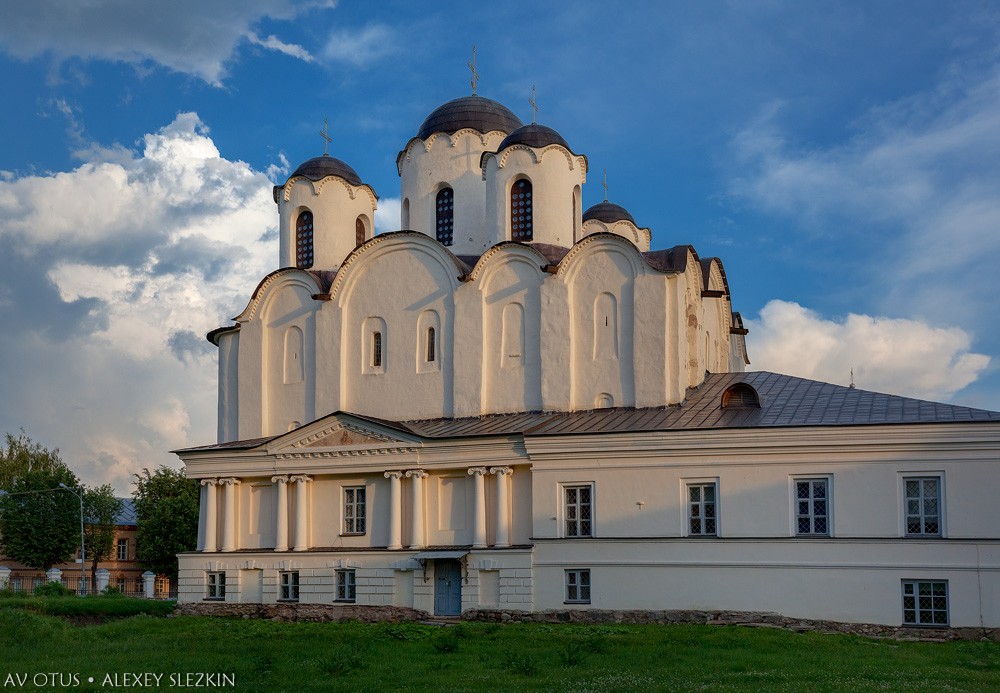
x=166, y=506
x=40, y=522
x=20, y=455
x=100, y=507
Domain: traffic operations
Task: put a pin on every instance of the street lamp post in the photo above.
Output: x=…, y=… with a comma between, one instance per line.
x=83, y=548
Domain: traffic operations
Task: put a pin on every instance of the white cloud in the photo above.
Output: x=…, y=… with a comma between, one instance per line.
x=153, y=251
x=276, y=44
x=897, y=356
x=360, y=47
x=196, y=38
x=387, y=215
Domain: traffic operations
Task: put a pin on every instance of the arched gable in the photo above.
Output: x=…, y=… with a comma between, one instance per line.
x=273, y=283
x=318, y=185
x=574, y=161
x=570, y=265
x=505, y=253
x=453, y=138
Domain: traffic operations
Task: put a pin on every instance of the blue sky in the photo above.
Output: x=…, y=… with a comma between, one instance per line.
x=841, y=159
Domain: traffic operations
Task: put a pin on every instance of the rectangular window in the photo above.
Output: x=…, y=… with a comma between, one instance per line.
x=346, y=591
x=120, y=584
x=925, y=602
x=123, y=549
x=812, y=507
x=289, y=585
x=702, y=500
x=579, y=511
x=922, y=506
x=354, y=510
x=376, y=350
x=430, y=345
x=578, y=586
x=216, y=585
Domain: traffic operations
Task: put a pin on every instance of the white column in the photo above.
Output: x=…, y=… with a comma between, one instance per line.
x=103, y=577
x=5, y=576
x=211, y=516
x=301, y=512
x=479, y=508
x=503, y=515
x=281, y=521
x=149, y=584
x=229, y=523
x=417, y=524
x=395, y=509
x=53, y=575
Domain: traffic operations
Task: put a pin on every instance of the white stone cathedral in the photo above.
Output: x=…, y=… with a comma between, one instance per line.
x=515, y=404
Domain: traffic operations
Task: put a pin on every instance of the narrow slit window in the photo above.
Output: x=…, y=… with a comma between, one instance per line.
x=304, y=240
x=445, y=217
x=376, y=350
x=431, y=346
x=359, y=232
x=521, y=225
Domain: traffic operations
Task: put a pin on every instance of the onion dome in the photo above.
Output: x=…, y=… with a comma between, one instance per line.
x=609, y=213
x=476, y=112
x=534, y=135
x=320, y=167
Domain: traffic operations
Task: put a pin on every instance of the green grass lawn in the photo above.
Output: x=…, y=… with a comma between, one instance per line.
x=277, y=656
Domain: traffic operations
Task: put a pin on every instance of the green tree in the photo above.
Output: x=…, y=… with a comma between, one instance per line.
x=39, y=521
x=166, y=507
x=20, y=455
x=100, y=507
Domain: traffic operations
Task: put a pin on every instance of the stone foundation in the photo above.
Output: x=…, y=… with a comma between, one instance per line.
x=750, y=619
x=303, y=612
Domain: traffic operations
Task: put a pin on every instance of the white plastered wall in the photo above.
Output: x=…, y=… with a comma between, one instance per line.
x=641, y=237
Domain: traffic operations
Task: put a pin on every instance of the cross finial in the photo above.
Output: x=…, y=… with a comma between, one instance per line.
x=475, y=75
x=325, y=134
x=534, y=106
x=605, y=184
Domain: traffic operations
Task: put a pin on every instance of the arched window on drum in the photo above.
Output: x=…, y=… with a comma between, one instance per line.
x=445, y=216
x=304, y=240
x=521, y=228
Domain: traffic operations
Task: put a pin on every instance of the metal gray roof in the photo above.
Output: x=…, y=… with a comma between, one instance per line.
x=533, y=135
x=320, y=167
x=608, y=212
x=786, y=401
x=127, y=515
x=476, y=112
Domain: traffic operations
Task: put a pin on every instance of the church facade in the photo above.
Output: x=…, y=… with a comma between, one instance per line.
x=514, y=403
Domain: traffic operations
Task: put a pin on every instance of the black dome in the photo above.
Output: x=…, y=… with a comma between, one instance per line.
x=534, y=135
x=320, y=167
x=476, y=112
x=608, y=212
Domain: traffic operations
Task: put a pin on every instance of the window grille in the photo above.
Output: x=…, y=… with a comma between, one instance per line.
x=812, y=506
x=521, y=224
x=579, y=508
x=346, y=586
x=445, y=216
x=304, y=240
x=578, y=586
x=354, y=510
x=925, y=603
x=923, y=506
x=702, y=509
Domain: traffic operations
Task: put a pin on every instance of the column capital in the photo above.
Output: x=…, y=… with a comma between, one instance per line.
x=415, y=473
x=229, y=481
x=394, y=474
x=280, y=478
x=209, y=482
x=300, y=478
x=502, y=471
x=480, y=471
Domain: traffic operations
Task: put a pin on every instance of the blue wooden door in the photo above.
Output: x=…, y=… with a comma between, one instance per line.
x=447, y=587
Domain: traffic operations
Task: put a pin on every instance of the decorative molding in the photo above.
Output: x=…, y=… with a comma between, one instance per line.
x=514, y=250
x=293, y=274
x=537, y=155
x=393, y=474
x=230, y=481
x=479, y=471
x=582, y=247
x=300, y=478
x=416, y=474
x=330, y=454
x=209, y=482
x=280, y=478
x=502, y=471
x=341, y=426
x=317, y=186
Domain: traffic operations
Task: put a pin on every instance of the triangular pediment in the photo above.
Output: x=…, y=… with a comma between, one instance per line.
x=341, y=431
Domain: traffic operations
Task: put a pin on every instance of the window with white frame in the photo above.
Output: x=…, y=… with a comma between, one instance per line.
x=288, y=583
x=579, y=510
x=922, y=505
x=123, y=549
x=703, y=509
x=346, y=591
x=120, y=584
x=216, y=585
x=578, y=586
x=354, y=510
x=812, y=507
x=925, y=602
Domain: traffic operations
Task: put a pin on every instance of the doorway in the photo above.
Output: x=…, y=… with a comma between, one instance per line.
x=447, y=587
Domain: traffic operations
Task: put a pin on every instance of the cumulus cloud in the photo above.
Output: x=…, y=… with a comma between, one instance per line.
x=360, y=47
x=897, y=356
x=143, y=256
x=387, y=215
x=187, y=36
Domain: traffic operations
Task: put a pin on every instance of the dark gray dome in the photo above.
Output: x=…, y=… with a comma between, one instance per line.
x=608, y=212
x=320, y=167
x=534, y=135
x=476, y=112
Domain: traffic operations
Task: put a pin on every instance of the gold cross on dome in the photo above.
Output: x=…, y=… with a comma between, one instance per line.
x=534, y=106
x=605, y=184
x=325, y=134
x=475, y=75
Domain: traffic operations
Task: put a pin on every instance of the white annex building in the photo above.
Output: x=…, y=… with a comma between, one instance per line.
x=514, y=403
